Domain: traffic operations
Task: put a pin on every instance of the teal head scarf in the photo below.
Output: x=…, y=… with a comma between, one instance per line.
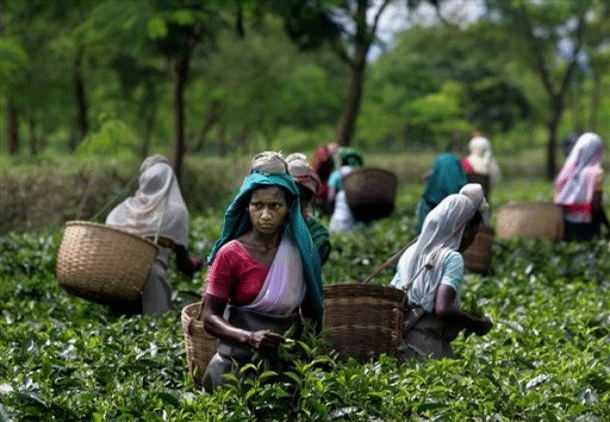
x=237, y=222
x=447, y=177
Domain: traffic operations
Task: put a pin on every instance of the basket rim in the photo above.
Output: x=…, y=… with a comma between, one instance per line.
x=111, y=229
x=514, y=204
x=375, y=169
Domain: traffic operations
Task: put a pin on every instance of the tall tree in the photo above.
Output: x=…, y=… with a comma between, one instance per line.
x=541, y=26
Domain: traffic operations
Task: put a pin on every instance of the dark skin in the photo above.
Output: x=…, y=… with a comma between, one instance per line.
x=445, y=308
x=268, y=209
x=598, y=211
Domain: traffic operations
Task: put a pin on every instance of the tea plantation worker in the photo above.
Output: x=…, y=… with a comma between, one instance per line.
x=309, y=184
x=447, y=177
x=481, y=161
x=156, y=205
x=578, y=188
x=265, y=273
x=342, y=218
x=323, y=164
x=431, y=271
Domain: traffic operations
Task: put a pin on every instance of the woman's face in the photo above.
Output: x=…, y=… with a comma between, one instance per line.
x=268, y=209
x=470, y=232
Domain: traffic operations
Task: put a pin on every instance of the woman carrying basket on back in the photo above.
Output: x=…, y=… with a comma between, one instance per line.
x=156, y=210
x=265, y=273
x=431, y=272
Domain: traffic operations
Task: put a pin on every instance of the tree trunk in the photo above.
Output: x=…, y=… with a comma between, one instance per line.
x=33, y=138
x=149, y=125
x=82, y=124
x=595, y=100
x=222, y=139
x=212, y=119
x=12, y=120
x=557, y=110
x=181, y=69
x=346, y=125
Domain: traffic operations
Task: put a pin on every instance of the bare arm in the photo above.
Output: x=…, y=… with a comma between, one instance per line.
x=446, y=310
x=185, y=262
x=216, y=325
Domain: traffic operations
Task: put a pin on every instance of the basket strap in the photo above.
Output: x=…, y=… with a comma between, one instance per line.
x=391, y=259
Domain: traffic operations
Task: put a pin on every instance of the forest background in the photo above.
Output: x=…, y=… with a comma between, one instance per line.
x=87, y=89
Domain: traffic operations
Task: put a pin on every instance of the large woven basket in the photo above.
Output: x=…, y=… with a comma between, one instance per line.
x=364, y=320
x=370, y=192
x=200, y=345
x=481, y=179
x=477, y=258
x=530, y=219
x=103, y=264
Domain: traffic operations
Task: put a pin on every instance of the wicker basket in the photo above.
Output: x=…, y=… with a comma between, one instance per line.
x=530, y=219
x=364, y=320
x=481, y=179
x=477, y=258
x=370, y=192
x=200, y=345
x=103, y=264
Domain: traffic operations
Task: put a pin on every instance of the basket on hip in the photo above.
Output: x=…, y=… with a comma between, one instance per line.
x=200, y=345
x=103, y=264
x=477, y=258
x=370, y=193
x=364, y=320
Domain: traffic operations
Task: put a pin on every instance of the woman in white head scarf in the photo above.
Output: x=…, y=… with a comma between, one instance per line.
x=431, y=271
x=481, y=160
x=578, y=189
x=156, y=211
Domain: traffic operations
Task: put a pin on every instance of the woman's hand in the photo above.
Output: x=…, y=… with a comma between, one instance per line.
x=483, y=326
x=265, y=339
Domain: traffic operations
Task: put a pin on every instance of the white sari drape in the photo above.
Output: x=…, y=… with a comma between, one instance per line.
x=422, y=263
x=158, y=197
x=284, y=288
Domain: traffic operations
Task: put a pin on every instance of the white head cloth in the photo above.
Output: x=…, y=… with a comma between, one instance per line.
x=422, y=262
x=482, y=160
x=140, y=213
x=576, y=181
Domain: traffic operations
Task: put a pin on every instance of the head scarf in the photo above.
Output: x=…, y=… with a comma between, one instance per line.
x=447, y=177
x=157, y=199
x=347, y=154
x=302, y=173
x=575, y=185
x=482, y=160
x=237, y=222
x=422, y=263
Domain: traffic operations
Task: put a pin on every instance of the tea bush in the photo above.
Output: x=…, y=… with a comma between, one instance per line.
x=547, y=357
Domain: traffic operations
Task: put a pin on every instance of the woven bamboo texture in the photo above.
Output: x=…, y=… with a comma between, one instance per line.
x=371, y=193
x=363, y=321
x=530, y=219
x=103, y=264
x=477, y=258
x=200, y=345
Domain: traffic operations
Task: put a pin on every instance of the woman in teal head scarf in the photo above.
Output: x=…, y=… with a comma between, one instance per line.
x=447, y=177
x=264, y=271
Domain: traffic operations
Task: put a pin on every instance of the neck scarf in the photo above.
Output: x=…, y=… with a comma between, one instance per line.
x=237, y=222
x=420, y=267
x=575, y=185
x=158, y=198
x=284, y=288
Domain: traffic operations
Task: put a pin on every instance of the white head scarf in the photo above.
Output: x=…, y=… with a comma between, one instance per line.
x=141, y=213
x=576, y=181
x=422, y=263
x=482, y=160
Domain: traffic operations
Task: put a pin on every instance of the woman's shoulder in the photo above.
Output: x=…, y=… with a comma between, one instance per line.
x=231, y=248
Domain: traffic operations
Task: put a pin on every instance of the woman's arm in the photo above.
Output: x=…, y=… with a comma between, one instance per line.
x=215, y=324
x=446, y=310
x=187, y=264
